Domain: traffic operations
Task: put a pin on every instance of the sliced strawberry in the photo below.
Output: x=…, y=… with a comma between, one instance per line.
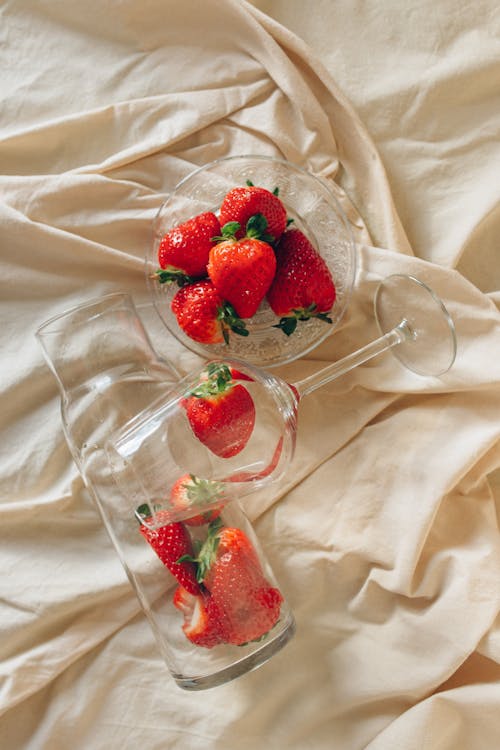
x=201, y=621
x=183, y=600
x=248, y=606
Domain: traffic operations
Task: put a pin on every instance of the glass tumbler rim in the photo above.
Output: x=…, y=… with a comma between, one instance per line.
x=124, y=297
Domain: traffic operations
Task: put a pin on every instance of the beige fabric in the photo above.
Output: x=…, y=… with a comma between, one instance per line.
x=384, y=536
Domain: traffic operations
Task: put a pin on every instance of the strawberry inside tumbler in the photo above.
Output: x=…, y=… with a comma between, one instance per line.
x=237, y=604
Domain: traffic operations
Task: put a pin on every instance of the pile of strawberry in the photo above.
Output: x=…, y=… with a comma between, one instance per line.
x=222, y=591
x=226, y=265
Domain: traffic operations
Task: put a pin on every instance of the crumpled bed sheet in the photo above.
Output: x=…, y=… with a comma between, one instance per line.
x=384, y=535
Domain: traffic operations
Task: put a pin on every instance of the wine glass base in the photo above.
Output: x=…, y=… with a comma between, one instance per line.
x=431, y=346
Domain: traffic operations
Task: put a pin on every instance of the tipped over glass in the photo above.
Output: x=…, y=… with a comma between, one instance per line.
x=108, y=373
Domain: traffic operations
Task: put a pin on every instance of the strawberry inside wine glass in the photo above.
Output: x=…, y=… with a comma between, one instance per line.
x=231, y=428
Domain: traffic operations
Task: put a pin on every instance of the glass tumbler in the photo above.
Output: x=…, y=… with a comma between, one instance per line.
x=189, y=551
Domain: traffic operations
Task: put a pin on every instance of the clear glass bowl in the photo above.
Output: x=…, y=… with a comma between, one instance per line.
x=314, y=209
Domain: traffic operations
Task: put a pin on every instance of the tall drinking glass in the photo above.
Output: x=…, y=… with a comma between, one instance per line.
x=217, y=614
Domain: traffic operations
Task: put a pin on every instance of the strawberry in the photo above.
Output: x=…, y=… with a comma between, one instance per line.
x=247, y=605
x=242, y=269
x=302, y=287
x=190, y=491
x=201, y=618
x=204, y=316
x=183, y=251
x=241, y=203
x=220, y=411
x=171, y=542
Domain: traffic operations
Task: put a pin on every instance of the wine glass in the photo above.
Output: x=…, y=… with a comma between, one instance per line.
x=162, y=443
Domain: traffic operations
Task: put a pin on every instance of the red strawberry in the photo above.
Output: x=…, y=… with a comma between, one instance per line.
x=190, y=491
x=220, y=411
x=204, y=316
x=302, y=287
x=248, y=607
x=183, y=251
x=201, y=618
x=243, y=202
x=242, y=270
x=171, y=542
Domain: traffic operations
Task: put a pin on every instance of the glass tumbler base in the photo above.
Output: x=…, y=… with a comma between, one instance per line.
x=239, y=668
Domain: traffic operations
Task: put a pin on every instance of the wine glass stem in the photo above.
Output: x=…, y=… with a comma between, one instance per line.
x=401, y=332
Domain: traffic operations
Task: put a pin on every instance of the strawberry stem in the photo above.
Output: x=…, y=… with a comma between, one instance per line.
x=255, y=229
x=288, y=323
x=230, y=321
x=218, y=381
x=228, y=232
x=203, y=491
x=208, y=552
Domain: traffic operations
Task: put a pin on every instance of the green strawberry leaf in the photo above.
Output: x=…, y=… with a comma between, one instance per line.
x=203, y=491
x=231, y=322
x=287, y=324
x=228, y=232
x=207, y=554
x=324, y=317
x=146, y=511
x=171, y=275
x=219, y=379
x=256, y=228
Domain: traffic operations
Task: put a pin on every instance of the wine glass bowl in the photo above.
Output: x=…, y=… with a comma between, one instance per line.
x=163, y=443
x=315, y=210
x=160, y=444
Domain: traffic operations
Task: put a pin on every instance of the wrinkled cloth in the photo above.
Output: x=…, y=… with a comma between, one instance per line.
x=384, y=533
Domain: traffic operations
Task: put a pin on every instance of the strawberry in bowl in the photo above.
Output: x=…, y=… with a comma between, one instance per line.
x=242, y=270
x=302, y=287
x=183, y=251
x=241, y=203
x=204, y=316
x=257, y=201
